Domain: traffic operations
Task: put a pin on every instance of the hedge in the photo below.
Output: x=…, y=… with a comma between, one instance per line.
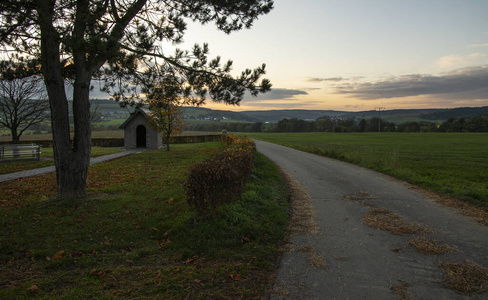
x=220, y=179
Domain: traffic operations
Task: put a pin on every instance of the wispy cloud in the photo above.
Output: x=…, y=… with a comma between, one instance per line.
x=467, y=83
x=450, y=61
x=317, y=79
x=310, y=89
x=277, y=94
x=356, y=106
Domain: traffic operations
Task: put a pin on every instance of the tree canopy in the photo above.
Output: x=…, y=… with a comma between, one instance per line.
x=120, y=41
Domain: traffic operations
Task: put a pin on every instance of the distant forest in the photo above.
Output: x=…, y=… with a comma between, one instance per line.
x=327, y=124
x=461, y=112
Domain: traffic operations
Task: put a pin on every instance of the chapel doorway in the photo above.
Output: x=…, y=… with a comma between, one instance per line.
x=141, y=136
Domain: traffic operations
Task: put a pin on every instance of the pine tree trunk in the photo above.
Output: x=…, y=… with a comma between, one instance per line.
x=71, y=160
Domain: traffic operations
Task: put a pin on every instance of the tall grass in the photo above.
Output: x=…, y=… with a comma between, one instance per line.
x=453, y=164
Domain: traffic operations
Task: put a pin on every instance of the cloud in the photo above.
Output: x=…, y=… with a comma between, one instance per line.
x=310, y=89
x=316, y=79
x=355, y=106
x=276, y=94
x=467, y=83
x=450, y=61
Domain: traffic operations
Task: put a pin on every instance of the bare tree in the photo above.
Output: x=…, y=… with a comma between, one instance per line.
x=23, y=103
x=95, y=113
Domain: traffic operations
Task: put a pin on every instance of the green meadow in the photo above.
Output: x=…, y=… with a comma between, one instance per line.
x=452, y=164
x=134, y=236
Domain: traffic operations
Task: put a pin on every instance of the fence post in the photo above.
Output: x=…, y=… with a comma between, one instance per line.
x=15, y=151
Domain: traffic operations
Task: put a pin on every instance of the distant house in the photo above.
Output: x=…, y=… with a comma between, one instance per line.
x=138, y=133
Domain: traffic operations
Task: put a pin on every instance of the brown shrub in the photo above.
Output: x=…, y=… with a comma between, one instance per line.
x=219, y=179
x=231, y=140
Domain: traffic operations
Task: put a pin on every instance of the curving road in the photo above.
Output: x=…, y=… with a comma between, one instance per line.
x=361, y=262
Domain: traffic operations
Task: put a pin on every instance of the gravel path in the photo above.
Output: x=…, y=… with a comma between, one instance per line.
x=342, y=257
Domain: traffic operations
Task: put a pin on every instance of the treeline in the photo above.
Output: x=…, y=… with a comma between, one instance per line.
x=325, y=124
x=229, y=126
x=457, y=113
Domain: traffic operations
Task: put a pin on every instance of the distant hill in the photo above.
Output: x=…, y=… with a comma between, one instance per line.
x=274, y=116
x=202, y=113
x=462, y=112
x=111, y=109
x=394, y=115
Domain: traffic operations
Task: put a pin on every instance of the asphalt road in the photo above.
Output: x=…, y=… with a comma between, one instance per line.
x=361, y=262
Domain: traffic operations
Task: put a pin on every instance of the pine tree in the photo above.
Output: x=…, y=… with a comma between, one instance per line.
x=113, y=40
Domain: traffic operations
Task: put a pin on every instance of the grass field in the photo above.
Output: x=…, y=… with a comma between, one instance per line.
x=134, y=236
x=453, y=164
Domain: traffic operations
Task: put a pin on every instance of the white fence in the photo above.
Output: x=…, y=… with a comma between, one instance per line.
x=21, y=151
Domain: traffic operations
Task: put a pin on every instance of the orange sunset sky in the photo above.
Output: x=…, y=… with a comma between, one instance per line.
x=357, y=54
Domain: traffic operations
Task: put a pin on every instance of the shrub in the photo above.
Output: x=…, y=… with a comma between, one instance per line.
x=230, y=140
x=220, y=179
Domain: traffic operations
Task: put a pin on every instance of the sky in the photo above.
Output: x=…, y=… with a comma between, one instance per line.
x=355, y=55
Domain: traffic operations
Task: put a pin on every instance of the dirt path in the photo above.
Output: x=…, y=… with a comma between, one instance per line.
x=368, y=234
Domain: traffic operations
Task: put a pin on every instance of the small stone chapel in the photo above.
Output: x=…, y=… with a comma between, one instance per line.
x=138, y=133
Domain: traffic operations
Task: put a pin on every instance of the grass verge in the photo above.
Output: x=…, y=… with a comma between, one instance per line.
x=134, y=236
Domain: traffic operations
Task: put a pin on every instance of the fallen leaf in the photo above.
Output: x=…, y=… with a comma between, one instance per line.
x=237, y=277
x=245, y=239
x=33, y=288
x=58, y=255
x=164, y=242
